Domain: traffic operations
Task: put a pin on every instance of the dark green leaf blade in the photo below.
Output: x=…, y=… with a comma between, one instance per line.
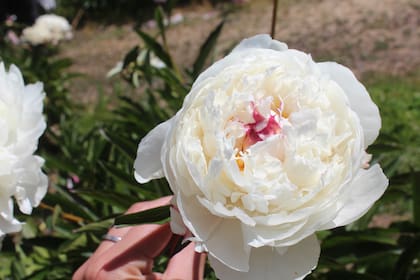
x=205, y=50
x=155, y=47
x=154, y=215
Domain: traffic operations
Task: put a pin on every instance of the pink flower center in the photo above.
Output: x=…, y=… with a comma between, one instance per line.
x=260, y=129
x=257, y=131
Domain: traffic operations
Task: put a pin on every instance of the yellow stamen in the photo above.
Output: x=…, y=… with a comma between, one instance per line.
x=241, y=164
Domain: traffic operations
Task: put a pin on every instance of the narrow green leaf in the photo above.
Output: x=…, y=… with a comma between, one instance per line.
x=127, y=179
x=131, y=56
x=125, y=146
x=205, y=50
x=109, y=197
x=96, y=226
x=415, y=181
x=76, y=243
x=58, y=162
x=406, y=260
x=347, y=275
x=154, y=215
x=159, y=18
x=155, y=47
x=68, y=204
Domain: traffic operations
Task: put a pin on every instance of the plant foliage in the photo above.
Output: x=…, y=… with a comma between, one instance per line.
x=90, y=153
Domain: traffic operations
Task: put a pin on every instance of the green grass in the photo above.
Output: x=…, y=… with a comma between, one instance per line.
x=398, y=99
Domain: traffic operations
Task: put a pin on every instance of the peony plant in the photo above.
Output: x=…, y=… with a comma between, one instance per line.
x=22, y=123
x=268, y=148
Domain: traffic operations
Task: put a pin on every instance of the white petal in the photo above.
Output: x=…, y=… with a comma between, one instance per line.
x=270, y=263
x=359, y=98
x=32, y=185
x=8, y=223
x=222, y=237
x=261, y=41
x=148, y=165
x=9, y=226
x=366, y=188
x=177, y=225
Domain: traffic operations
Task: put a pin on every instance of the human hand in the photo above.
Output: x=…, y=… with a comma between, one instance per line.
x=132, y=256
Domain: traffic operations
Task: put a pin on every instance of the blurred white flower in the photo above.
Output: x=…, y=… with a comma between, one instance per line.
x=48, y=29
x=47, y=4
x=268, y=148
x=22, y=123
x=154, y=60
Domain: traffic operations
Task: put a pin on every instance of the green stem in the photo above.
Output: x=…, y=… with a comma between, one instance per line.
x=273, y=18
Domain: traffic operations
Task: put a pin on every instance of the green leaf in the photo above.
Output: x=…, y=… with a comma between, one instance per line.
x=159, y=18
x=349, y=247
x=131, y=56
x=68, y=204
x=415, y=181
x=406, y=260
x=58, y=162
x=154, y=215
x=127, y=147
x=205, y=50
x=347, y=275
x=96, y=226
x=155, y=47
x=109, y=197
x=120, y=175
x=74, y=244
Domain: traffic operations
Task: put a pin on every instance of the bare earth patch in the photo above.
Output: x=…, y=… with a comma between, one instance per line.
x=375, y=36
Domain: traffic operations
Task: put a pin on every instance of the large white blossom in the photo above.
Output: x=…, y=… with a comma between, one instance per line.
x=48, y=29
x=268, y=148
x=22, y=123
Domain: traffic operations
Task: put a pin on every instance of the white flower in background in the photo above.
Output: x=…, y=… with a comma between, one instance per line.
x=47, y=4
x=48, y=29
x=153, y=59
x=268, y=148
x=22, y=123
x=36, y=35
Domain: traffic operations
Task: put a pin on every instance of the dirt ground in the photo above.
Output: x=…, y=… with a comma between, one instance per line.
x=369, y=36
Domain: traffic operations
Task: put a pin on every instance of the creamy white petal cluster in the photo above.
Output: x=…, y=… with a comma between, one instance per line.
x=268, y=148
x=48, y=29
x=22, y=123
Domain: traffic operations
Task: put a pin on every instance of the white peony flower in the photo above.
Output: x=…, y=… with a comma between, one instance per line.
x=22, y=123
x=48, y=29
x=268, y=148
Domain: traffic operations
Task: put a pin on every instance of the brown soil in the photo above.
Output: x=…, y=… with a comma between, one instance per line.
x=374, y=36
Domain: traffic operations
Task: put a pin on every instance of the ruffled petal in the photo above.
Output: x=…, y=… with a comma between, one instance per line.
x=359, y=99
x=8, y=223
x=261, y=41
x=9, y=226
x=271, y=263
x=32, y=184
x=176, y=223
x=222, y=237
x=366, y=188
x=148, y=164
